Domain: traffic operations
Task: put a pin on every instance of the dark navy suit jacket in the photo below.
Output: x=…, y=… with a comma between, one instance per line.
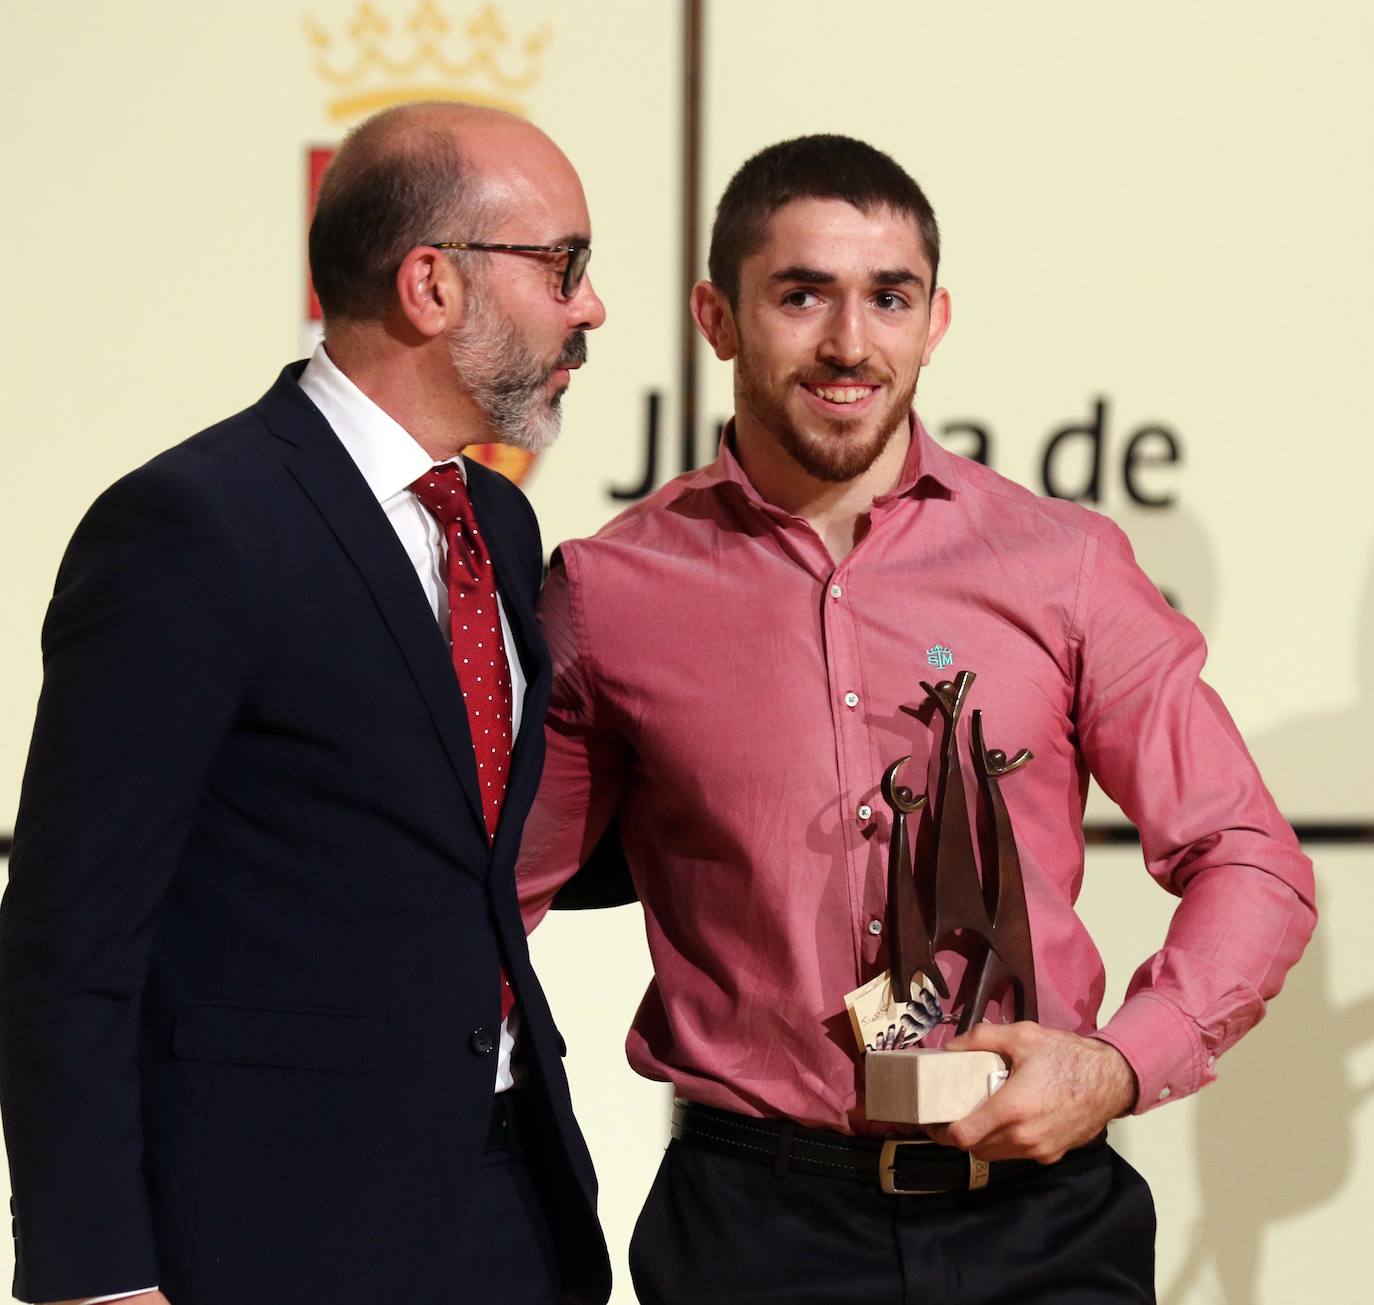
x=249, y=952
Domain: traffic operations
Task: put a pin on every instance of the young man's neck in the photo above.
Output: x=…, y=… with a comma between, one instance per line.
x=837, y=510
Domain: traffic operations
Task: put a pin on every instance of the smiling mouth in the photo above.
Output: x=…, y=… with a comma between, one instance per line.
x=840, y=394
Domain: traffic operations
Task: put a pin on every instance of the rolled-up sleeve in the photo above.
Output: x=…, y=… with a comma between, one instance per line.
x=1163, y=747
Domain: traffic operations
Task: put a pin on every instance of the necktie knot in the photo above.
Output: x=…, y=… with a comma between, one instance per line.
x=445, y=495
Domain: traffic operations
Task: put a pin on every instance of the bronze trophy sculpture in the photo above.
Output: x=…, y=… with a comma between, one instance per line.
x=922, y=1085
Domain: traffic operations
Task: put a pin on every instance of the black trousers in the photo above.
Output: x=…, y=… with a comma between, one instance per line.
x=727, y=1231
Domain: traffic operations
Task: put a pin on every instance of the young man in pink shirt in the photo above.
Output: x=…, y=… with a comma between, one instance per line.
x=730, y=661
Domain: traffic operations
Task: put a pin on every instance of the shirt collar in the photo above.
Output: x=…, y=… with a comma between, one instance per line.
x=386, y=454
x=925, y=461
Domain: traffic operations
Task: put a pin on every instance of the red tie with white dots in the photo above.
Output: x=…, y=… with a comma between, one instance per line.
x=478, y=649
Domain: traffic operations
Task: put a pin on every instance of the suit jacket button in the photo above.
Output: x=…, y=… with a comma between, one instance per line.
x=482, y=1042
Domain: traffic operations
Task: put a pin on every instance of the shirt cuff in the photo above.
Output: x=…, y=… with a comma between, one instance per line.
x=1162, y=1047
x=119, y=1295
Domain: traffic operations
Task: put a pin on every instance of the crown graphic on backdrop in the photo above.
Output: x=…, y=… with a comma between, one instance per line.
x=375, y=62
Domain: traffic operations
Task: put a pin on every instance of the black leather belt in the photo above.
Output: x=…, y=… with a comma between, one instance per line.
x=502, y=1131
x=900, y=1166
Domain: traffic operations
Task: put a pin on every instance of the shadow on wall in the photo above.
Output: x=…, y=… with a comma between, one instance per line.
x=1336, y=744
x=1259, y=1160
x=1326, y=754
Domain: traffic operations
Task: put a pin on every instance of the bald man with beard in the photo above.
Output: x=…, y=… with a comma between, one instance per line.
x=269, y=1028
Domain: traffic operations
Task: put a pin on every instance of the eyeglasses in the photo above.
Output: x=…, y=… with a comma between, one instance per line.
x=573, y=270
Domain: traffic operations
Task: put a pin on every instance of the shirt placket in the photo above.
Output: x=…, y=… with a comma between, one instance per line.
x=856, y=783
x=856, y=788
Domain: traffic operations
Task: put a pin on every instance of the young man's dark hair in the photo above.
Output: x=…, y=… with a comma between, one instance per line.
x=811, y=167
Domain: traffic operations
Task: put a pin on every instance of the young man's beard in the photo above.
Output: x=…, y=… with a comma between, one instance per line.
x=831, y=457
x=507, y=379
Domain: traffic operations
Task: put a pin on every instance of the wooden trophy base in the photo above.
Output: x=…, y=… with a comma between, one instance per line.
x=929, y=1086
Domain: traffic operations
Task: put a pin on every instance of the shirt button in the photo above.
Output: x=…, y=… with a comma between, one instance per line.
x=482, y=1042
x=875, y=927
x=1164, y=1093
x=836, y=591
x=865, y=811
x=851, y=699
x=1211, y=1061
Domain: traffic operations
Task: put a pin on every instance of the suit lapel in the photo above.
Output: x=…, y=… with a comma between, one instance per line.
x=323, y=469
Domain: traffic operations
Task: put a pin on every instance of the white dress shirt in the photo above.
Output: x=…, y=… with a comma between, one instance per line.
x=390, y=461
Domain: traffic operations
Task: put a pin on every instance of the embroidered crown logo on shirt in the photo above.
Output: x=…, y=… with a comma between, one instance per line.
x=940, y=656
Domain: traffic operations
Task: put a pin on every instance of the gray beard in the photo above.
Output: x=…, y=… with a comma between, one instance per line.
x=505, y=379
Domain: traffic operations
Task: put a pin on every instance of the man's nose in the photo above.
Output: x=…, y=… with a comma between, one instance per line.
x=846, y=341
x=586, y=308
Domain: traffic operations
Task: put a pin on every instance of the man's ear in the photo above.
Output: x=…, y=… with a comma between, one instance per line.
x=939, y=323
x=715, y=319
x=429, y=291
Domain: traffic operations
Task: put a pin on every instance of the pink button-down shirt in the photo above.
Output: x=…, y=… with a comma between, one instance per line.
x=733, y=697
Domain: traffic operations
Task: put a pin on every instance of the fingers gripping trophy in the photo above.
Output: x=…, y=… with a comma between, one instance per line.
x=905, y=1082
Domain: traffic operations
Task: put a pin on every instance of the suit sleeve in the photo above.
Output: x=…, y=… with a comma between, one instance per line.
x=1162, y=745
x=146, y=647
x=586, y=758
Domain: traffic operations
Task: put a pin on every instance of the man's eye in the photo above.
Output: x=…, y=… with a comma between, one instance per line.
x=889, y=299
x=799, y=298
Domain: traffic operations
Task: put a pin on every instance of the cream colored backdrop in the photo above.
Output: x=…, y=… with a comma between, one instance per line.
x=1162, y=207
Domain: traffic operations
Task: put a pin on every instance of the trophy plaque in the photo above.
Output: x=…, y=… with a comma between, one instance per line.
x=906, y=1083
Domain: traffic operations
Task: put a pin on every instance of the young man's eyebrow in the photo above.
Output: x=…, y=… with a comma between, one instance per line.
x=810, y=275
x=813, y=276
x=899, y=276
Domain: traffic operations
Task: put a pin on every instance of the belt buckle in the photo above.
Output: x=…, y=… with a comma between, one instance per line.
x=978, y=1170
